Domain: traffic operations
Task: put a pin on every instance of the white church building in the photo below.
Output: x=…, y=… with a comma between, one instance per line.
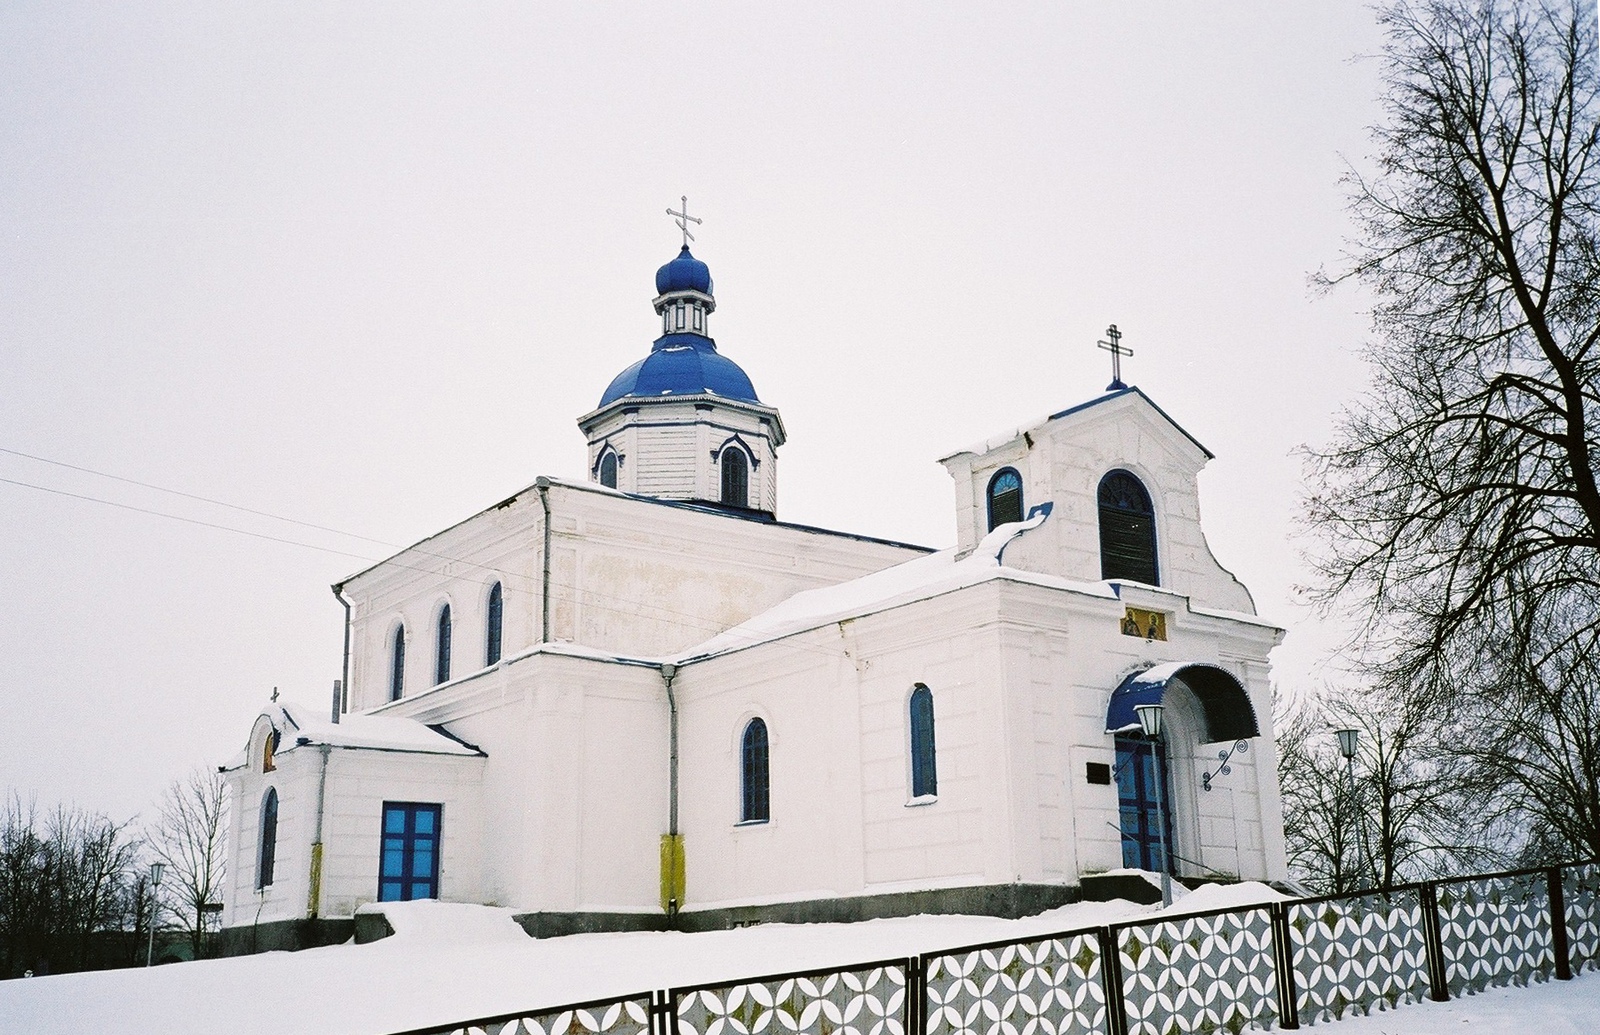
x=642, y=700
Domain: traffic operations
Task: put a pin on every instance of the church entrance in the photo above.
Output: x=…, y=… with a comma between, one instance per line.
x=1140, y=763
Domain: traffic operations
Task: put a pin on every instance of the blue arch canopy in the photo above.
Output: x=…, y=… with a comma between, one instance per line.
x=1229, y=714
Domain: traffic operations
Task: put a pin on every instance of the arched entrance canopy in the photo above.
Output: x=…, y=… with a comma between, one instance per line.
x=1229, y=714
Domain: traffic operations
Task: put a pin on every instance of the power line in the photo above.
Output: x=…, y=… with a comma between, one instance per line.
x=186, y=520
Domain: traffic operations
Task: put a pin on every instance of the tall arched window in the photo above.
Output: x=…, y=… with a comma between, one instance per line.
x=1005, y=498
x=441, y=657
x=267, y=848
x=497, y=610
x=1127, y=530
x=397, y=664
x=924, y=776
x=608, y=470
x=755, y=804
x=735, y=478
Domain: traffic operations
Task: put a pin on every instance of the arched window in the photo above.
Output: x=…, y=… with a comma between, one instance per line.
x=441, y=657
x=397, y=664
x=735, y=478
x=267, y=849
x=1005, y=498
x=924, y=776
x=1127, y=530
x=608, y=470
x=755, y=804
x=497, y=610
x=269, y=747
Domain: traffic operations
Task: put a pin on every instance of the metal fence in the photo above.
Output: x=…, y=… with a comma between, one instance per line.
x=1281, y=965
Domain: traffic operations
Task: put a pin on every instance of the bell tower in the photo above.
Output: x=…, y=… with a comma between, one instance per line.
x=684, y=422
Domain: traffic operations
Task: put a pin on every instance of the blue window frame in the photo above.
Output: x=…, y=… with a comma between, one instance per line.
x=397, y=664
x=755, y=802
x=1127, y=530
x=1140, y=763
x=408, y=863
x=924, y=775
x=497, y=611
x=1005, y=498
x=441, y=658
x=267, y=849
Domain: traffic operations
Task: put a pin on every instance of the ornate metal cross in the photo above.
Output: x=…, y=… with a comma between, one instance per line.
x=1115, y=347
x=683, y=219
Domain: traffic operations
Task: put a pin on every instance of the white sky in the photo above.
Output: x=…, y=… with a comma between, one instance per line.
x=364, y=264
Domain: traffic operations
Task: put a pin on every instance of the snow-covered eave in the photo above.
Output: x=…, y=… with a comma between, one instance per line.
x=997, y=441
x=760, y=409
x=575, y=651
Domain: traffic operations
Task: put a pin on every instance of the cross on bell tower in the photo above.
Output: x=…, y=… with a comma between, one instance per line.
x=1117, y=350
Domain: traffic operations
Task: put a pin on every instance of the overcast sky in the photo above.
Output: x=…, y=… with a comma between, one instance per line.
x=363, y=265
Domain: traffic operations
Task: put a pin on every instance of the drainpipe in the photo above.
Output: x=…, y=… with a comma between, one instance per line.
x=542, y=484
x=344, y=682
x=672, y=862
x=315, y=898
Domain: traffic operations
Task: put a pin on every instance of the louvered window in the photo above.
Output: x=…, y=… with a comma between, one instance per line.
x=924, y=776
x=497, y=610
x=1005, y=498
x=735, y=478
x=608, y=470
x=1127, y=530
x=397, y=664
x=441, y=658
x=755, y=805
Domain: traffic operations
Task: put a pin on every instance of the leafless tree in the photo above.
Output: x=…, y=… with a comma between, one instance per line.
x=190, y=837
x=1458, y=508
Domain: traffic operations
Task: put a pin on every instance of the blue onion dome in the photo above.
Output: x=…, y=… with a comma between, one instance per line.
x=682, y=364
x=685, y=273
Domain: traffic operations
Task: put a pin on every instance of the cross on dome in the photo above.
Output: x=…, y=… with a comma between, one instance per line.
x=683, y=219
x=1117, y=350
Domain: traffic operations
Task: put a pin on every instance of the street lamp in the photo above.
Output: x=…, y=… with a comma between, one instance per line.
x=1347, y=748
x=1150, y=722
x=155, y=882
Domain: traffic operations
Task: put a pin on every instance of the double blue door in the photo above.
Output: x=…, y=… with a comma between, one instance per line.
x=408, y=867
x=1145, y=817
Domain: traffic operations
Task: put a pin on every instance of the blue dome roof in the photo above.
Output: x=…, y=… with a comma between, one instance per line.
x=685, y=273
x=682, y=364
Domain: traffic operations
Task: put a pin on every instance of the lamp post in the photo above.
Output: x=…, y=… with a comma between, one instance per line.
x=1347, y=748
x=1150, y=722
x=155, y=885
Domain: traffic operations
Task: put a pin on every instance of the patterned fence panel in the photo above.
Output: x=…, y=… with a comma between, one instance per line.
x=1581, y=889
x=1358, y=952
x=1205, y=973
x=1050, y=987
x=629, y=1016
x=866, y=1000
x=1495, y=931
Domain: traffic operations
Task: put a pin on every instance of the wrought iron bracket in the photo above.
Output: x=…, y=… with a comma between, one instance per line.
x=1240, y=746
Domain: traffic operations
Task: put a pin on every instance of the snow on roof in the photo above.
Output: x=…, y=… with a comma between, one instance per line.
x=916, y=579
x=375, y=732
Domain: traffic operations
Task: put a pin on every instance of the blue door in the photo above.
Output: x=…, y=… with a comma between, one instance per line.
x=1140, y=763
x=408, y=867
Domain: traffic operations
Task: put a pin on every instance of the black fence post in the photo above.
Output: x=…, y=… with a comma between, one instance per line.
x=916, y=1022
x=661, y=1013
x=1438, y=978
x=1558, y=925
x=1283, y=964
x=1111, y=975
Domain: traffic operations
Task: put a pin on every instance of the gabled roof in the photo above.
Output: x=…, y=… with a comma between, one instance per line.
x=298, y=728
x=998, y=440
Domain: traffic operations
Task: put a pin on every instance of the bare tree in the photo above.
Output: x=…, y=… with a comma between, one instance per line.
x=1458, y=507
x=190, y=837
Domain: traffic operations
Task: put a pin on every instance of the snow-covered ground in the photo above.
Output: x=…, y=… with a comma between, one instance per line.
x=452, y=962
